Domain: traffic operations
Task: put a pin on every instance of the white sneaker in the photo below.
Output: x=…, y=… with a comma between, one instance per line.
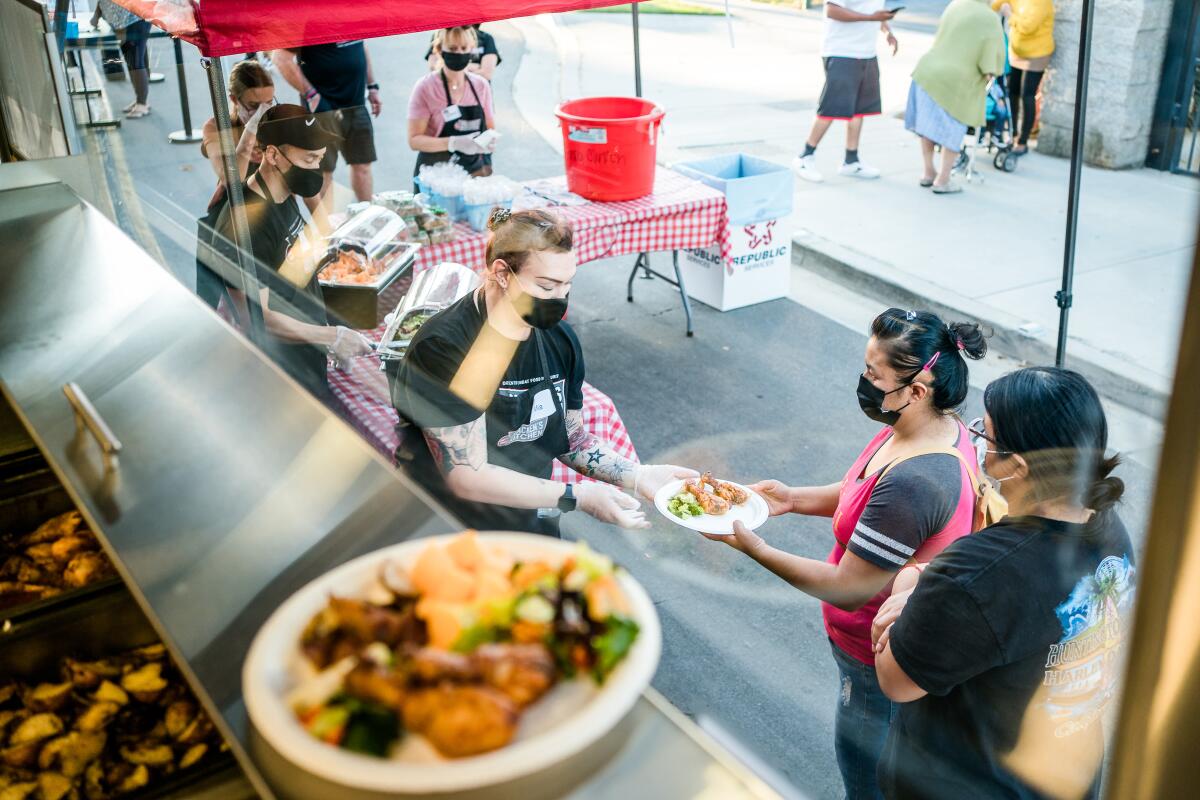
x=858, y=170
x=138, y=111
x=129, y=107
x=806, y=168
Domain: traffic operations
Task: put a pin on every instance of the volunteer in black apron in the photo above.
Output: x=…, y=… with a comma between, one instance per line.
x=495, y=385
x=451, y=107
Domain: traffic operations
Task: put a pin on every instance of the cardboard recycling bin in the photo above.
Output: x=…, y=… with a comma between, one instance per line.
x=759, y=195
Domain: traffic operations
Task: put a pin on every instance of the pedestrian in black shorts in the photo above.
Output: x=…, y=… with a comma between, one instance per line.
x=851, y=89
x=336, y=78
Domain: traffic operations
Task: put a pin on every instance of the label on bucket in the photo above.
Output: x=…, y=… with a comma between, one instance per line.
x=588, y=135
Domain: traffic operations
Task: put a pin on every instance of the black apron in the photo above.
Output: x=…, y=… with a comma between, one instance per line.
x=507, y=415
x=479, y=164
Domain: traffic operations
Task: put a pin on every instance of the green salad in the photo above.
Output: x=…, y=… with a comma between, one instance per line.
x=684, y=505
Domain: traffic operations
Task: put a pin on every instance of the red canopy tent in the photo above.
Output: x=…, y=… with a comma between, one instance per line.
x=228, y=27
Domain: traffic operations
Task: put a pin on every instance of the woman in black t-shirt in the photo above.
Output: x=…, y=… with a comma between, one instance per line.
x=1006, y=654
x=495, y=383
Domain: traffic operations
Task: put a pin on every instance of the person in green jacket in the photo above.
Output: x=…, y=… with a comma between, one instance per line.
x=949, y=85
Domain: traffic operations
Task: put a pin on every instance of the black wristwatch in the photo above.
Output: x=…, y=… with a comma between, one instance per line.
x=568, y=502
x=372, y=87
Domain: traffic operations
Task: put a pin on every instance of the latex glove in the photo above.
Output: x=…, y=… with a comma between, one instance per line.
x=256, y=118
x=777, y=494
x=609, y=504
x=465, y=145
x=649, y=478
x=348, y=344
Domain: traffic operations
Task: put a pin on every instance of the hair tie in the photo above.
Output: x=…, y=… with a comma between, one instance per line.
x=959, y=342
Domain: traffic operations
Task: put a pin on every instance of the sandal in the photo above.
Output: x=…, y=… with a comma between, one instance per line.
x=952, y=187
x=925, y=183
x=129, y=107
x=138, y=111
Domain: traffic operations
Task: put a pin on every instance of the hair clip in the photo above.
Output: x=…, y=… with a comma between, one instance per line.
x=929, y=364
x=910, y=315
x=499, y=217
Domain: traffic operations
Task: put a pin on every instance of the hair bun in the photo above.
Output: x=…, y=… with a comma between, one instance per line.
x=968, y=338
x=498, y=217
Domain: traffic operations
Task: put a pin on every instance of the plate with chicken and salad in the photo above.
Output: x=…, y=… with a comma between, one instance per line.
x=708, y=505
x=451, y=663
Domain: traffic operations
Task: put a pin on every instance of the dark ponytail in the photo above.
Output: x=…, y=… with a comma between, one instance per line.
x=912, y=338
x=1053, y=418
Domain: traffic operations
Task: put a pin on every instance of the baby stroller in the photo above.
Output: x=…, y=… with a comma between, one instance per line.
x=995, y=137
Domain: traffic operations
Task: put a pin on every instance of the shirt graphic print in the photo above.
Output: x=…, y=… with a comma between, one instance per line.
x=1083, y=668
x=540, y=412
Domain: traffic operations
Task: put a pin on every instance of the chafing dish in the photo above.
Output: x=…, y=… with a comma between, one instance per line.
x=379, y=236
x=431, y=291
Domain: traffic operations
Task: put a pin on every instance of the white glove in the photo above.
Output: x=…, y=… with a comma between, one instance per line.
x=347, y=344
x=649, y=478
x=609, y=504
x=465, y=145
x=256, y=117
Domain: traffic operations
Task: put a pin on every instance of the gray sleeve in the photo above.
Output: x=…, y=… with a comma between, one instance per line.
x=909, y=504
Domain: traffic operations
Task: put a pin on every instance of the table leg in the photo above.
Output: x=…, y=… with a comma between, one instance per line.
x=641, y=260
x=687, y=305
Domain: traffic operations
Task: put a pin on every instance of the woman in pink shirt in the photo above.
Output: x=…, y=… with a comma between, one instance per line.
x=450, y=107
x=908, y=495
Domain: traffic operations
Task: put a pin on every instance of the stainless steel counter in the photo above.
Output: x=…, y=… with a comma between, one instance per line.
x=233, y=488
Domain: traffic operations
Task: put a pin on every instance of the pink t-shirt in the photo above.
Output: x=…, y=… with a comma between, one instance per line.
x=429, y=98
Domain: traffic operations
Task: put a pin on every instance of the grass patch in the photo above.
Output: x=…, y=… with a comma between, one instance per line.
x=661, y=7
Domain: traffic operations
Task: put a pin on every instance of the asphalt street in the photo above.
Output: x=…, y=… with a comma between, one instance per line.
x=763, y=392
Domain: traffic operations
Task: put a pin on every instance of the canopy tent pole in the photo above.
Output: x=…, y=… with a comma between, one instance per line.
x=234, y=197
x=1064, y=295
x=637, y=52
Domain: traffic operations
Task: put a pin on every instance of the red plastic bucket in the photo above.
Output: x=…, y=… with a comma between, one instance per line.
x=609, y=146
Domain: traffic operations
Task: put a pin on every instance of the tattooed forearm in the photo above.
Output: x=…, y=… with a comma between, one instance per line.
x=593, y=458
x=458, y=446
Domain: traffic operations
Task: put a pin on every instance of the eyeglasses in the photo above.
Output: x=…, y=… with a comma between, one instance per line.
x=980, y=441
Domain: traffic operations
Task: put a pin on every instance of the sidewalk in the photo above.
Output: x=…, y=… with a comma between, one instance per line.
x=992, y=254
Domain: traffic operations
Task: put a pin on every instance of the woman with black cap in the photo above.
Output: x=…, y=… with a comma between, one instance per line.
x=284, y=246
x=495, y=384
x=910, y=493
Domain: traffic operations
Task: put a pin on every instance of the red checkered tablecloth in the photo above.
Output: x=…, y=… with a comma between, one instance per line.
x=362, y=387
x=681, y=213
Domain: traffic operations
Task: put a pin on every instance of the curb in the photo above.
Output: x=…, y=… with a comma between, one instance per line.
x=1114, y=378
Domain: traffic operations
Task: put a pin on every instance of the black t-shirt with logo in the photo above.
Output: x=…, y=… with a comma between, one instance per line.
x=275, y=228
x=1016, y=633
x=525, y=429
x=337, y=71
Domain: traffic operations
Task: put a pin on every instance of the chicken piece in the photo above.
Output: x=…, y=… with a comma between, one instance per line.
x=462, y=720
x=716, y=506
x=109, y=692
x=48, y=696
x=150, y=652
x=523, y=672
x=68, y=547
x=53, y=786
x=15, y=594
x=7, y=692
x=368, y=623
x=197, y=730
x=145, y=683
x=125, y=778
x=374, y=684
x=93, y=781
x=55, y=528
x=152, y=755
x=85, y=568
x=432, y=665
x=19, y=791
x=89, y=674
x=20, y=756
x=725, y=490
x=36, y=728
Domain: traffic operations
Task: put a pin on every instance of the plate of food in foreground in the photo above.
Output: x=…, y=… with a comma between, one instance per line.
x=451, y=663
x=708, y=505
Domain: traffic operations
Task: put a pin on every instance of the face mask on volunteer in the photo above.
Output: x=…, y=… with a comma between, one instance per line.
x=870, y=400
x=542, y=312
x=300, y=181
x=244, y=114
x=456, y=62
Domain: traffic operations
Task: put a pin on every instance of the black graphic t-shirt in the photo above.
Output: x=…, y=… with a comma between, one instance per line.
x=1016, y=632
x=337, y=71
x=437, y=384
x=275, y=229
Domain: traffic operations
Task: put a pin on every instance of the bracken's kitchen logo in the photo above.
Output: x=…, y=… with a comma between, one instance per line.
x=759, y=238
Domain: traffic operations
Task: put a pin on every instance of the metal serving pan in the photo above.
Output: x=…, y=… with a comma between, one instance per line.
x=431, y=291
x=380, y=235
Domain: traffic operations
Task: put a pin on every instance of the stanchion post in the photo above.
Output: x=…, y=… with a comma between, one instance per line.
x=637, y=53
x=187, y=135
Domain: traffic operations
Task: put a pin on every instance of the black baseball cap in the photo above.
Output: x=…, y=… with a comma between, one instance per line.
x=290, y=124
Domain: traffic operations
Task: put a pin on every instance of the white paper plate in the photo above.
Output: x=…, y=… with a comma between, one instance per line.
x=569, y=718
x=752, y=513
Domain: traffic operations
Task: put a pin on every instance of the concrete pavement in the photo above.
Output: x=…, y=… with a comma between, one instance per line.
x=992, y=254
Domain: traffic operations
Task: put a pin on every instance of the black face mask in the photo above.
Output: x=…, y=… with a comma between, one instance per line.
x=456, y=62
x=304, y=182
x=543, y=312
x=870, y=399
